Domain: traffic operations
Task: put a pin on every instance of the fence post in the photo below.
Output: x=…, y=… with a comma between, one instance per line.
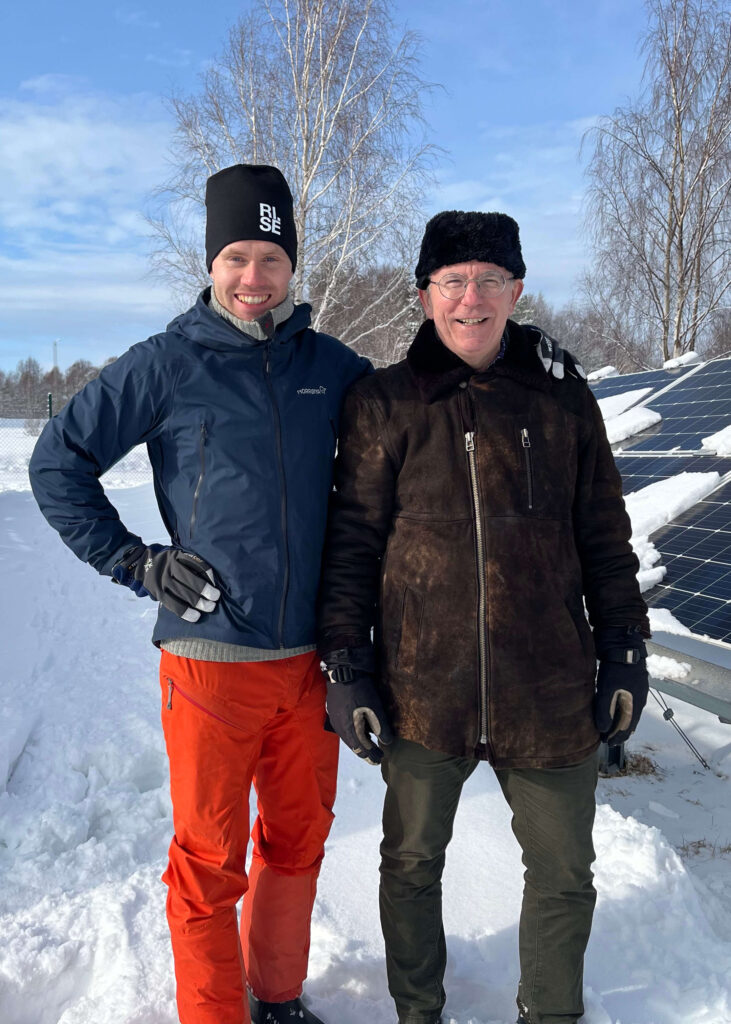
x=50, y=405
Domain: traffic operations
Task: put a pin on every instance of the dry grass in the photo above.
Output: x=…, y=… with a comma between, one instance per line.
x=696, y=847
x=634, y=764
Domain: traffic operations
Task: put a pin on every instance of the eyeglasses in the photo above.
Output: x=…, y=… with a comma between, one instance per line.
x=453, y=286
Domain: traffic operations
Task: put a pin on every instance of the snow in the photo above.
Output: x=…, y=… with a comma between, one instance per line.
x=656, y=505
x=16, y=447
x=662, y=620
x=687, y=359
x=661, y=667
x=614, y=405
x=602, y=372
x=85, y=823
x=620, y=420
x=720, y=443
x=629, y=423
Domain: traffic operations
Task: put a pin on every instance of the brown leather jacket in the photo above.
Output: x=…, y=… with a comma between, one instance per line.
x=473, y=513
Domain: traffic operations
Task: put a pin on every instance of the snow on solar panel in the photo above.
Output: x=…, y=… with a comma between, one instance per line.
x=655, y=379
x=697, y=405
x=696, y=551
x=695, y=548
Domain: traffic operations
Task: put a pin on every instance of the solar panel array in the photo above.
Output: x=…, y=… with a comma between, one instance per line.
x=695, y=548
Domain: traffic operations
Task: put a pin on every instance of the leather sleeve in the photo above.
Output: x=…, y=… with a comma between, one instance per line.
x=602, y=531
x=359, y=522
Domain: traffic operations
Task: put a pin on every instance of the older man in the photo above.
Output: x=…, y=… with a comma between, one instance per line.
x=477, y=508
x=238, y=402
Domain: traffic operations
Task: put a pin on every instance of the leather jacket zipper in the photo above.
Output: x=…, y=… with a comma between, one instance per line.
x=481, y=582
x=199, y=484
x=283, y=491
x=525, y=440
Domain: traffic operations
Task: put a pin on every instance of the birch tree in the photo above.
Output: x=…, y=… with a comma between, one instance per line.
x=660, y=188
x=323, y=90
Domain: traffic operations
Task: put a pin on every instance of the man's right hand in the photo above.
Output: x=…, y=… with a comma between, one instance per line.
x=354, y=705
x=179, y=580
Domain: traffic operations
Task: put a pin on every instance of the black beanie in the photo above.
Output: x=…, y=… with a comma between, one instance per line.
x=457, y=237
x=249, y=202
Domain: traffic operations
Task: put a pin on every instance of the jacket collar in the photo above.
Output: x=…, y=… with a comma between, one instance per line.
x=203, y=325
x=437, y=371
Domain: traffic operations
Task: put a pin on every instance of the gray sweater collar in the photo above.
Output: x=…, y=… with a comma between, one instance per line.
x=263, y=327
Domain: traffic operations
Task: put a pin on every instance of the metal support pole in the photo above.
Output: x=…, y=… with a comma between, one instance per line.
x=611, y=759
x=50, y=405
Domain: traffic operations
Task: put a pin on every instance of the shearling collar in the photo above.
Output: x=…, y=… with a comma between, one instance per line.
x=438, y=371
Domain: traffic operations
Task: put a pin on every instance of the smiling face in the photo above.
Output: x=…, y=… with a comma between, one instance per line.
x=250, y=278
x=472, y=326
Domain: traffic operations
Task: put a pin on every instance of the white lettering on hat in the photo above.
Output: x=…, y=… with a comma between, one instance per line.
x=268, y=220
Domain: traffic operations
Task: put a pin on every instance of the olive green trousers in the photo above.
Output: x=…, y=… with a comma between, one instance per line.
x=553, y=814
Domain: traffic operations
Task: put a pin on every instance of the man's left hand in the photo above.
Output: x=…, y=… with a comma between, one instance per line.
x=354, y=705
x=622, y=684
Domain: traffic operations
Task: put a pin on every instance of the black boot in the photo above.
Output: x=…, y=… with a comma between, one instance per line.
x=293, y=1011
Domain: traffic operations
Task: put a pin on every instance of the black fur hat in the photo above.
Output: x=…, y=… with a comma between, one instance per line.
x=249, y=202
x=454, y=236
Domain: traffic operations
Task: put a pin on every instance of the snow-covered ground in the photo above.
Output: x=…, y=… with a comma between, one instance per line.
x=16, y=447
x=85, y=823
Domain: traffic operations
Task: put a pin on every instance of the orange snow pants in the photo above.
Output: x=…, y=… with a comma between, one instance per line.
x=227, y=725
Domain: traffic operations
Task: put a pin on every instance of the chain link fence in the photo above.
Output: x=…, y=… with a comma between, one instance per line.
x=20, y=428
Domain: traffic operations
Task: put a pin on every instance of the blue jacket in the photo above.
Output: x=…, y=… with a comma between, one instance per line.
x=241, y=437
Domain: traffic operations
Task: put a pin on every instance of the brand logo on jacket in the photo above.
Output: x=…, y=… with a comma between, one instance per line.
x=312, y=391
x=268, y=220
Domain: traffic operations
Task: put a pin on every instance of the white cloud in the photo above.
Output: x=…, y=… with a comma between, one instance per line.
x=135, y=18
x=77, y=172
x=175, y=59
x=78, y=165
x=535, y=174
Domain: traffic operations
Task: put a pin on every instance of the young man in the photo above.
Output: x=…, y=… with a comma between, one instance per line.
x=477, y=507
x=238, y=402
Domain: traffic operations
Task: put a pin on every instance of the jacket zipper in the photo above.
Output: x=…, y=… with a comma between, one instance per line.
x=525, y=440
x=481, y=582
x=174, y=688
x=196, y=493
x=283, y=490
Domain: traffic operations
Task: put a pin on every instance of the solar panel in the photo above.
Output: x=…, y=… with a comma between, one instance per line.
x=697, y=405
x=696, y=551
x=640, y=470
x=655, y=379
x=694, y=402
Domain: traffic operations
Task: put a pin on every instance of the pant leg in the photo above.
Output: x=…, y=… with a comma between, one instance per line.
x=423, y=791
x=295, y=780
x=213, y=744
x=553, y=815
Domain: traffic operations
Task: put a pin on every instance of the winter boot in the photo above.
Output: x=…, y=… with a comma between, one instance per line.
x=293, y=1011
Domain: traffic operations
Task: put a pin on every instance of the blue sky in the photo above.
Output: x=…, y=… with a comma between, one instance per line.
x=84, y=136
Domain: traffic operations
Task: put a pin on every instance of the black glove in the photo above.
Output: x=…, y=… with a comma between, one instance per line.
x=622, y=682
x=179, y=580
x=353, y=703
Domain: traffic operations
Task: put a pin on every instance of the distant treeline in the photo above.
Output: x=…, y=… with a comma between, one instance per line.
x=24, y=390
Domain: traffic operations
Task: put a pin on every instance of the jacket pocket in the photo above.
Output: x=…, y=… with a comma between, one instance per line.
x=583, y=630
x=201, y=476
x=412, y=608
x=528, y=460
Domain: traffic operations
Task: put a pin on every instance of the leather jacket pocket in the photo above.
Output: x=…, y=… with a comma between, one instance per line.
x=411, y=615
